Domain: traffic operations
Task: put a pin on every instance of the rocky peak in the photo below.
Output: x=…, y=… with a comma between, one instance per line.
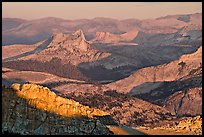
x=81, y=42
x=58, y=37
x=102, y=35
x=79, y=33
x=75, y=39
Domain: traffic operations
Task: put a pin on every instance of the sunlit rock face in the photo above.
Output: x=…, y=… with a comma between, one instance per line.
x=192, y=123
x=35, y=110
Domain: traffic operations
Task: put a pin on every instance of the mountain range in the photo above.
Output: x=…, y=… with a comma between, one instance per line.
x=142, y=73
x=18, y=31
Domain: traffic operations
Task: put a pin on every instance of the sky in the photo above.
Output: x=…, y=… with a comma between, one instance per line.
x=89, y=10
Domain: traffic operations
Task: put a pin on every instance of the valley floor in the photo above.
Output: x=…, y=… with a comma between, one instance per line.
x=124, y=130
x=165, y=131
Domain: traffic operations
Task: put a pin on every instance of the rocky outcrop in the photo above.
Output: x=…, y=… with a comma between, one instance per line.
x=183, y=126
x=76, y=39
x=107, y=37
x=187, y=102
x=193, y=124
x=32, y=109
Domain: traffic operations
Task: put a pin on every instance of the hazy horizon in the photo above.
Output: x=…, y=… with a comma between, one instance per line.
x=90, y=10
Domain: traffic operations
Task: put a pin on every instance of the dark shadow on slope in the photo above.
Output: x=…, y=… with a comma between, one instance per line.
x=9, y=82
x=125, y=60
x=99, y=100
x=38, y=49
x=104, y=75
x=184, y=18
x=149, y=38
x=59, y=83
x=165, y=89
x=53, y=66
